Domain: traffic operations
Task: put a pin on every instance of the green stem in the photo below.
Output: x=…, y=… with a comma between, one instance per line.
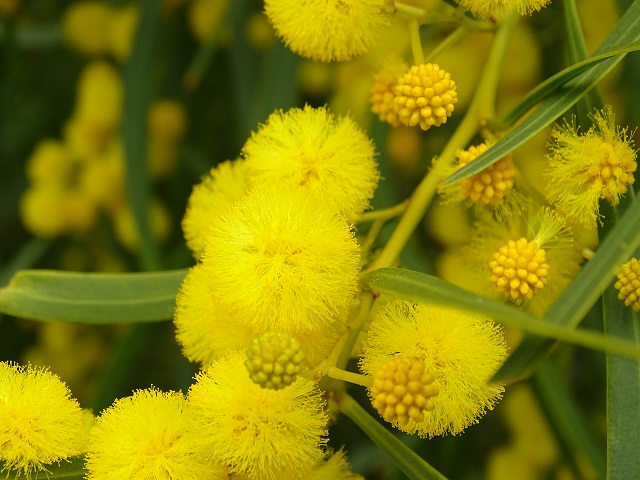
x=366, y=301
x=482, y=107
x=400, y=454
x=385, y=213
x=355, y=378
x=450, y=40
x=416, y=42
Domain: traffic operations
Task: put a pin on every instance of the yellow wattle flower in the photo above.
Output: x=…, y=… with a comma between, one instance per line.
x=274, y=359
x=383, y=92
x=142, y=437
x=402, y=390
x=220, y=188
x=491, y=185
x=519, y=269
x=628, y=284
x=282, y=260
x=583, y=169
x=311, y=148
x=425, y=96
x=491, y=9
x=40, y=423
x=328, y=30
x=462, y=350
x=255, y=431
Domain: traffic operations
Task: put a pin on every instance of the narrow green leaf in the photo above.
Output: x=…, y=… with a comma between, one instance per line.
x=137, y=97
x=402, y=456
x=582, y=293
x=67, y=470
x=623, y=391
x=91, y=297
x=578, y=52
x=420, y=287
x=566, y=419
x=554, y=82
x=626, y=31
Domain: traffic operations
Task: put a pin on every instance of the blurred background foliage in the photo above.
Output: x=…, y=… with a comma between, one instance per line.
x=216, y=71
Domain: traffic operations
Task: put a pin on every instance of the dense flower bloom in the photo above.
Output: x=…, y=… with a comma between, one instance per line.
x=628, y=284
x=40, y=423
x=402, y=390
x=586, y=168
x=206, y=331
x=282, y=260
x=141, y=437
x=255, y=431
x=492, y=186
x=425, y=96
x=274, y=359
x=332, y=157
x=461, y=350
x=222, y=186
x=328, y=30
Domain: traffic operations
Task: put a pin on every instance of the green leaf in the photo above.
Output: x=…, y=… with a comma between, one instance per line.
x=623, y=391
x=582, y=293
x=578, y=52
x=137, y=75
x=67, y=470
x=402, y=456
x=420, y=287
x=626, y=31
x=91, y=297
x=566, y=419
x=554, y=82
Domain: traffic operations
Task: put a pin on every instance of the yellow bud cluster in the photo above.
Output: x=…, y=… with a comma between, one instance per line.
x=402, y=390
x=490, y=185
x=629, y=284
x=382, y=97
x=613, y=172
x=519, y=269
x=425, y=96
x=274, y=359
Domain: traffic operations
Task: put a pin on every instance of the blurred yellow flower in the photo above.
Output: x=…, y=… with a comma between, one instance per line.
x=328, y=30
x=462, y=350
x=85, y=26
x=40, y=423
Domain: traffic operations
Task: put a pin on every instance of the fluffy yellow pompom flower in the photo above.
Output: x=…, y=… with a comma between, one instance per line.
x=39, y=421
x=496, y=8
x=222, y=186
x=585, y=168
x=628, y=284
x=425, y=96
x=206, y=331
x=282, y=260
x=334, y=466
x=253, y=430
x=311, y=148
x=202, y=329
x=328, y=30
x=142, y=437
x=383, y=92
x=461, y=350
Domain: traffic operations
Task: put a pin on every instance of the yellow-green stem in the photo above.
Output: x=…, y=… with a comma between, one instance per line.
x=482, y=107
x=366, y=301
x=384, y=214
x=416, y=42
x=450, y=40
x=355, y=378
